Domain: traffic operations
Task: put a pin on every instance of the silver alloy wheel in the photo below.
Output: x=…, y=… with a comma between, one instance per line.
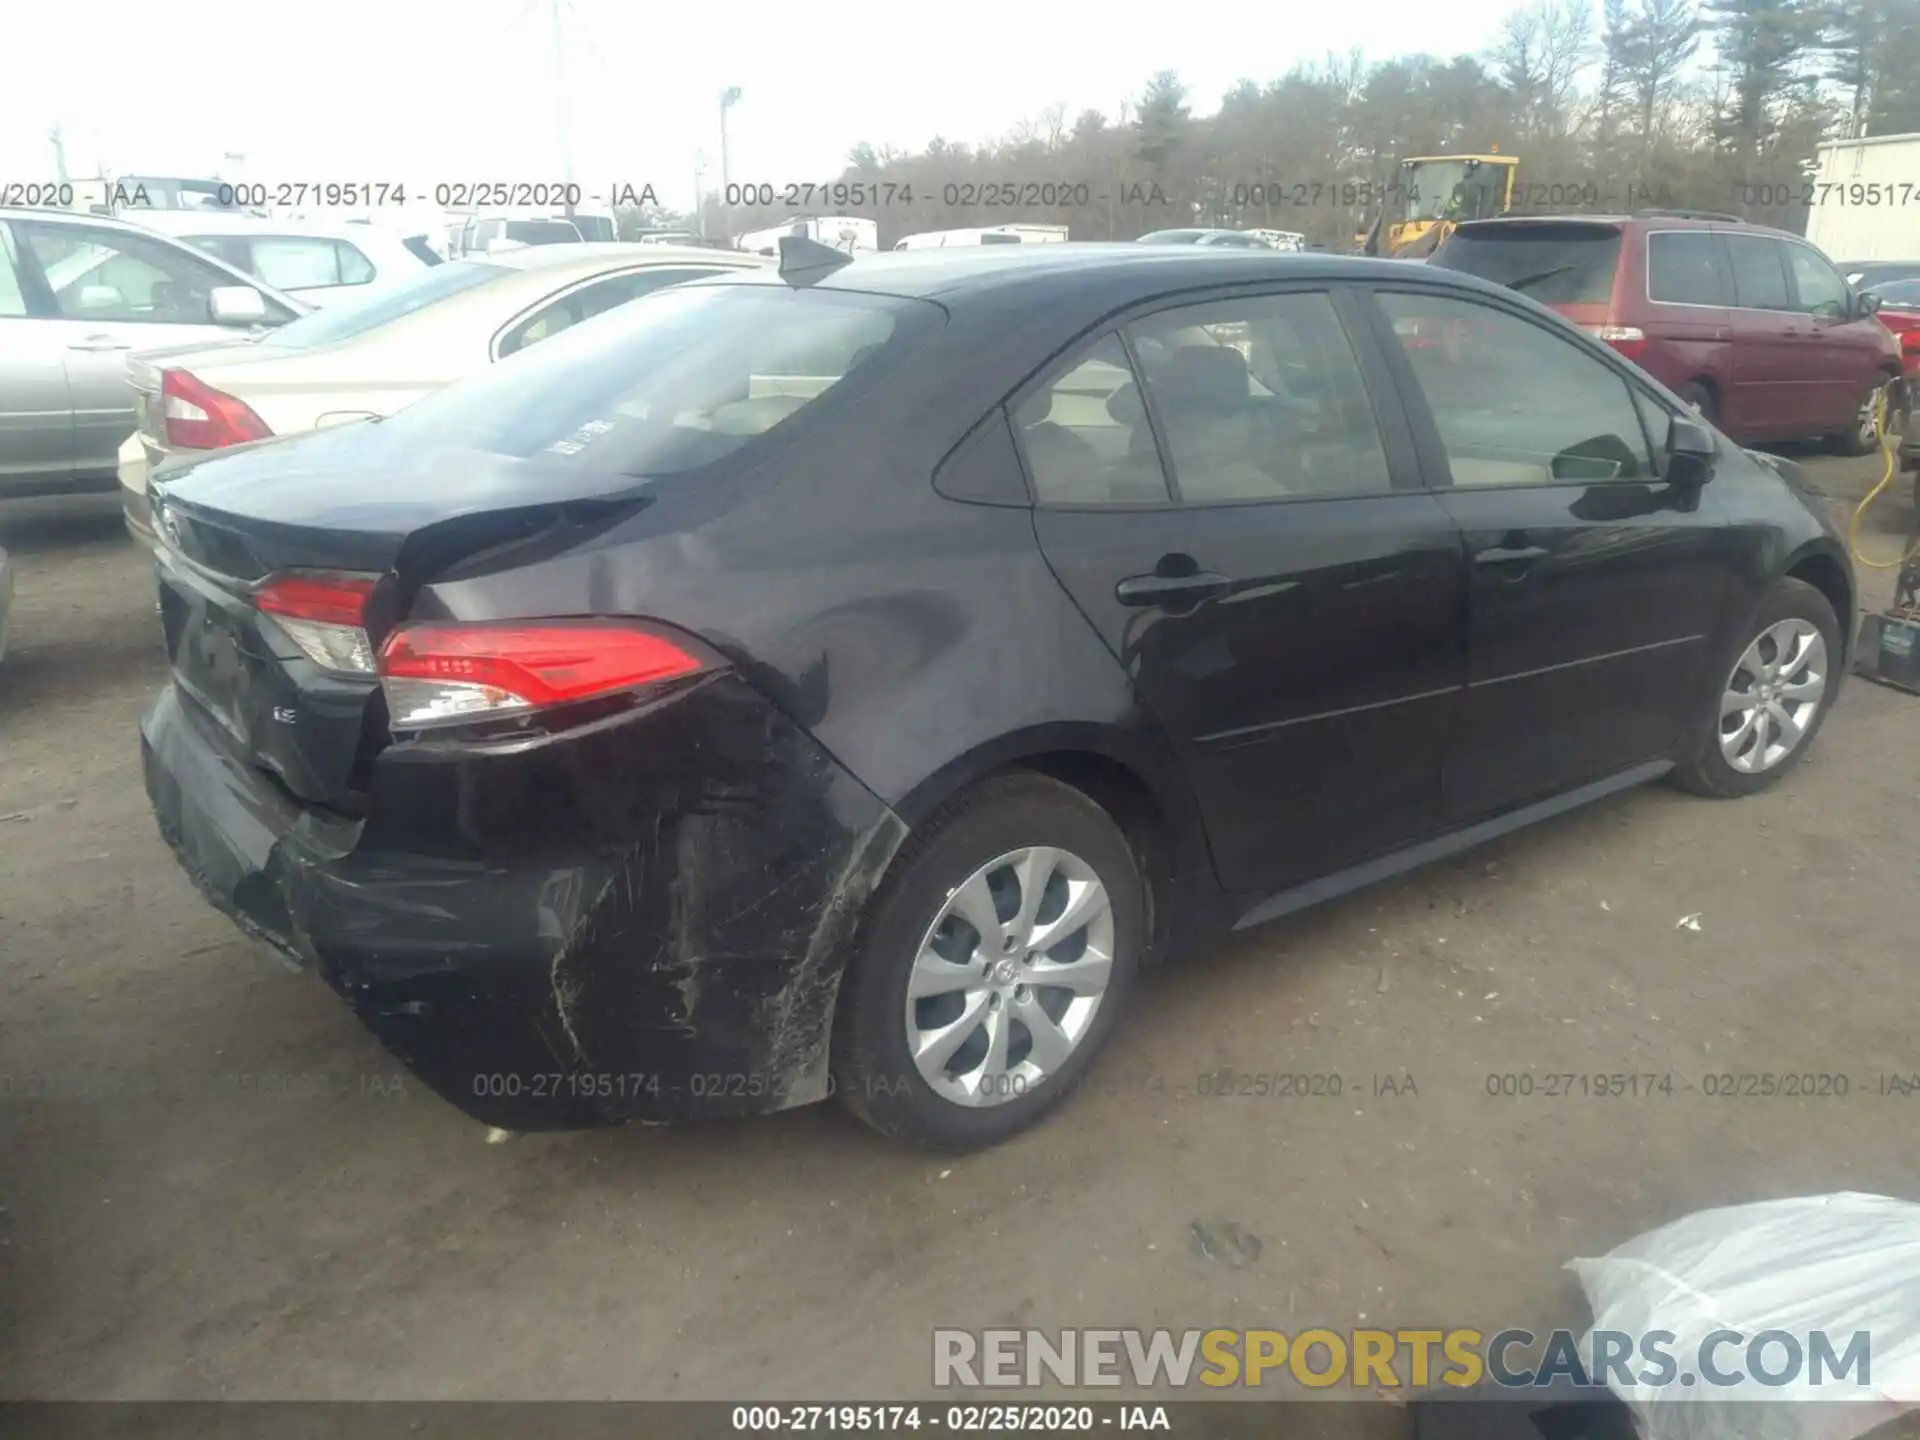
x=1869, y=435
x=1009, y=976
x=1772, y=696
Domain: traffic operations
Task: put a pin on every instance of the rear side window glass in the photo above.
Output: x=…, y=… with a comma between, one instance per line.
x=13, y=302
x=1687, y=267
x=382, y=303
x=674, y=384
x=1554, y=264
x=1758, y=281
x=1086, y=435
x=1261, y=398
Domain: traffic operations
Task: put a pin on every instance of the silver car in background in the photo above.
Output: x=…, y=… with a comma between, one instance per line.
x=79, y=294
x=367, y=358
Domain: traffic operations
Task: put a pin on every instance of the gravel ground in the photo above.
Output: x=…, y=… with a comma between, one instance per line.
x=213, y=1184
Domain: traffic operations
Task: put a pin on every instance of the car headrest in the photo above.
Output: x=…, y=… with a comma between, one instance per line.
x=1125, y=407
x=1211, y=377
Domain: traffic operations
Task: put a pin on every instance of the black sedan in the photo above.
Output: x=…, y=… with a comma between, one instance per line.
x=846, y=678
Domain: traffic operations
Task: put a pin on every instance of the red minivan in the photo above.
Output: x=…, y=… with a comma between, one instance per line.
x=1753, y=326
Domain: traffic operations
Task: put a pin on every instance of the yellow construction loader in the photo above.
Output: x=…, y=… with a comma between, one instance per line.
x=1434, y=193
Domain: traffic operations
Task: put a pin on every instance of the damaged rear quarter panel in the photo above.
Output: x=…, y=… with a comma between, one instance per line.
x=648, y=921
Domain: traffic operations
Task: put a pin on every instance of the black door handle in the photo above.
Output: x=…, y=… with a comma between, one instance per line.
x=1159, y=589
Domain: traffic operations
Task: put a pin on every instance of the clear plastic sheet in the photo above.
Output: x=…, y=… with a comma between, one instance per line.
x=1839, y=1263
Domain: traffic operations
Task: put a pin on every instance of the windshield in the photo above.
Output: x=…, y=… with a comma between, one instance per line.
x=670, y=382
x=1554, y=264
x=1453, y=190
x=541, y=232
x=383, y=302
x=596, y=227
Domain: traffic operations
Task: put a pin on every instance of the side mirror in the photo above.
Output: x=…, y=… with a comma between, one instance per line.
x=237, y=305
x=1866, y=303
x=1691, y=452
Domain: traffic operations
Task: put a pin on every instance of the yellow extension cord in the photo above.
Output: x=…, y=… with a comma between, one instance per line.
x=1889, y=447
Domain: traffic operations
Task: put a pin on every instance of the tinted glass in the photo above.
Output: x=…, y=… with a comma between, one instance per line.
x=683, y=379
x=230, y=248
x=596, y=227
x=1818, y=288
x=426, y=254
x=1514, y=403
x=1086, y=437
x=1261, y=399
x=1554, y=264
x=383, y=303
x=1898, y=294
x=1687, y=267
x=1758, y=281
x=541, y=232
x=591, y=300
x=355, y=268
x=1171, y=237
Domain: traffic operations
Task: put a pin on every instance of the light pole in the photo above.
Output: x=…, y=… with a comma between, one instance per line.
x=728, y=97
x=560, y=81
x=699, y=207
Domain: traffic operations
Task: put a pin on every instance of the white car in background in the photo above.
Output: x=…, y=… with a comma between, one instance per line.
x=368, y=359
x=314, y=260
x=78, y=294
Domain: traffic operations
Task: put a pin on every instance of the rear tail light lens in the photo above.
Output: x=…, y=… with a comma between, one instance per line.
x=324, y=614
x=198, y=417
x=453, y=674
x=1629, y=341
x=1910, y=352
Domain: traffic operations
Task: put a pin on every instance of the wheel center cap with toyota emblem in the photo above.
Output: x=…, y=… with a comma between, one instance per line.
x=1006, y=972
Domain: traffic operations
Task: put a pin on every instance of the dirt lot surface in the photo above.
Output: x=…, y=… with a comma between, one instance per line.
x=214, y=1184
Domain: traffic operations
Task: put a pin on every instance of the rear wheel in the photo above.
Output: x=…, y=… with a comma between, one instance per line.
x=1702, y=399
x=1862, y=437
x=995, y=962
x=1777, y=688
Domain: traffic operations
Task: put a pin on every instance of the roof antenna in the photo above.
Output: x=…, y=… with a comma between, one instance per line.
x=804, y=261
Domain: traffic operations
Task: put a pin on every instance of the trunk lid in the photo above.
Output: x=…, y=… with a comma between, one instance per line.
x=342, y=502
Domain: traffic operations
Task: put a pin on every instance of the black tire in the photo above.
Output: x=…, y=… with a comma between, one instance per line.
x=1701, y=399
x=1852, y=441
x=874, y=1073
x=1703, y=769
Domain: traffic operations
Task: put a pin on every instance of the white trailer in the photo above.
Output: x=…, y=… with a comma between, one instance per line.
x=1865, y=199
x=984, y=235
x=842, y=232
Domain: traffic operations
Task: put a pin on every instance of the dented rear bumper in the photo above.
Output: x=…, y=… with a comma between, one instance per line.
x=642, y=920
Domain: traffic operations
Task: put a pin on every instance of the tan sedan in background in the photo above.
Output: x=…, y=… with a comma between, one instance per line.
x=369, y=357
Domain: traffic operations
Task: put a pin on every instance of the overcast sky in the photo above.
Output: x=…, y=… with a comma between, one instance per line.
x=426, y=90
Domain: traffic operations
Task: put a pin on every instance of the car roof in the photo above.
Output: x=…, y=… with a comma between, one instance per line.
x=1644, y=221
x=1126, y=272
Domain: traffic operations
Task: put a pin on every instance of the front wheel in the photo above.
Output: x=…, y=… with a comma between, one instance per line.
x=1779, y=684
x=1863, y=436
x=994, y=964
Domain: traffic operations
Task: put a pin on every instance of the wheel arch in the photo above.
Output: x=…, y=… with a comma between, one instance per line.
x=1127, y=775
x=1829, y=574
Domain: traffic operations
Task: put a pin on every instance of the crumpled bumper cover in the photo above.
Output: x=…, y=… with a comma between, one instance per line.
x=644, y=920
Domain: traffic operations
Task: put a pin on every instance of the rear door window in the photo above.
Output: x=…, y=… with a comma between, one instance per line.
x=1759, y=281
x=1554, y=264
x=1687, y=267
x=590, y=300
x=1086, y=437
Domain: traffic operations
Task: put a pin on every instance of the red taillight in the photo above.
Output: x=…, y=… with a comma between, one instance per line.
x=199, y=417
x=439, y=674
x=324, y=614
x=1910, y=352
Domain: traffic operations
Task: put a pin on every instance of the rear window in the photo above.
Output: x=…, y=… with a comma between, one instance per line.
x=1898, y=294
x=596, y=227
x=670, y=382
x=1687, y=267
x=542, y=232
x=383, y=303
x=422, y=250
x=1554, y=264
